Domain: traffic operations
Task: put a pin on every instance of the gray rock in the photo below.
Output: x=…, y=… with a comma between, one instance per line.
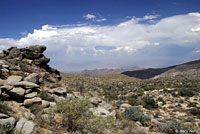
x=5, y=96
x=20, y=125
x=26, y=84
x=30, y=102
x=0, y=91
x=70, y=96
x=44, y=77
x=13, y=79
x=14, y=52
x=36, y=48
x=29, y=116
x=25, y=127
x=52, y=104
x=45, y=104
x=31, y=95
x=9, y=120
x=3, y=116
x=41, y=61
x=34, y=78
x=58, y=91
x=4, y=63
x=95, y=101
x=2, y=82
x=28, y=91
x=6, y=88
x=17, y=92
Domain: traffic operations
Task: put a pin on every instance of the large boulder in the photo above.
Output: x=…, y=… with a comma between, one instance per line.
x=9, y=120
x=31, y=95
x=26, y=84
x=6, y=88
x=14, y=52
x=58, y=91
x=36, y=48
x=34, y=78
x=13, y=79
x=32, y=101
x=24, y=126
x=45, y=104
x=42, y=61
x=17, y=93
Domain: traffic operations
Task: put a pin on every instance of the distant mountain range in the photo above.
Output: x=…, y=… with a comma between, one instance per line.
x=109, y=71
x=190, y=70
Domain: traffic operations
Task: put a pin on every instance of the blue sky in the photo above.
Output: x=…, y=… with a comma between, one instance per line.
x=87, y=34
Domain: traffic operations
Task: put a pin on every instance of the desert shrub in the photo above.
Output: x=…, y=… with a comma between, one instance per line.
x=74, y=112
x=140, y=94
x=132, y=101
x=4, y=108
x=149, y=102
x=173, y=126
x=75, y=116
x=135, y=114
x=148, y=87
x=7, y=128
x=185, y=92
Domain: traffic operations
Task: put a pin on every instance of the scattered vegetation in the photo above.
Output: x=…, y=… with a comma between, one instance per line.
x=75, y=116
x=135, y=114
x=7, y=128
x=186, y=92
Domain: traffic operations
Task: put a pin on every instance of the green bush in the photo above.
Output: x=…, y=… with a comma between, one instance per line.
x=132, y=101
x=149, y=102
x=186, y=92
x=4, y=108
x=75, y=117
x=175, y=127
x=135, y=114
x=7, y=128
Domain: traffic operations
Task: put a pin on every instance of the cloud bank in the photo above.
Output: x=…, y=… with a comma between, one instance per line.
x=146, y=41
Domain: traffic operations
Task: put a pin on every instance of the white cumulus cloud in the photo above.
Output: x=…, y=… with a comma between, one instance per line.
x=134, y=43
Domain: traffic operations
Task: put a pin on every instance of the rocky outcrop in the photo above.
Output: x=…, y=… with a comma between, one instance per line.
x=24, y=72
x=25, y=61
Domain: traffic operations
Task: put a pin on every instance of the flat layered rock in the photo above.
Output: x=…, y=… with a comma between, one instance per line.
x=24, y=126
x=58, y=91
x=13, y=79
x=6, y=88
x=3, y=116
x=45, y=104
x=31, y=95
x=34, y=78
x=26, y=84
x=9, y=120
x=17, y=92
x=2, y=82
x=30, y=102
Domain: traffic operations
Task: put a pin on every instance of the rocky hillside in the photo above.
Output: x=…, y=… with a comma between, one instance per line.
x=37, y=99
x=190, y=70
x=109, y=71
